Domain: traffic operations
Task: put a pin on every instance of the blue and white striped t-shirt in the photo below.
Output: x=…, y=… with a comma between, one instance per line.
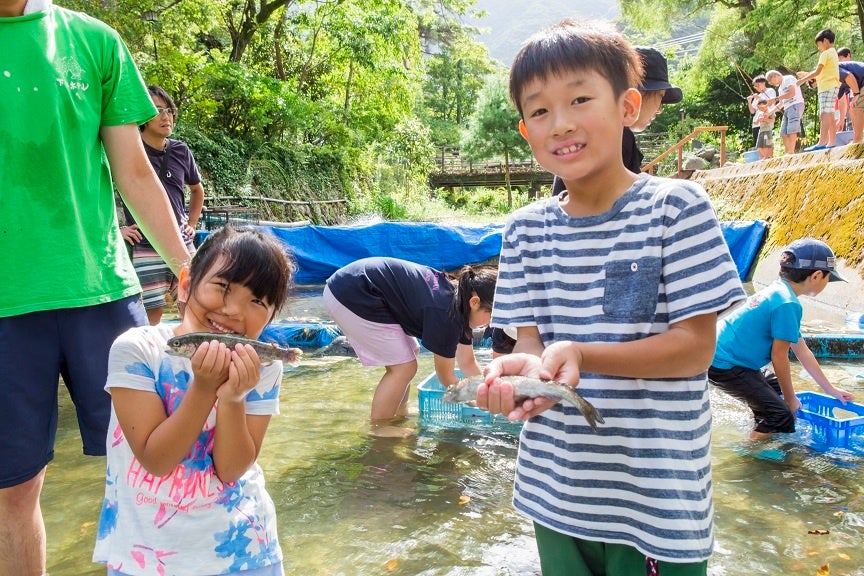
x=655, y=258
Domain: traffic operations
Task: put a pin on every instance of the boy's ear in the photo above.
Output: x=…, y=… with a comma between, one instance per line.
x=632, y=102
x=523, y=130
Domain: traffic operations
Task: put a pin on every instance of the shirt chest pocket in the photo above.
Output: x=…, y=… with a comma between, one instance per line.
x=631, y=288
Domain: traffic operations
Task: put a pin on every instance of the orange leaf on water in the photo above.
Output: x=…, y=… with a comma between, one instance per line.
x=464, y=500
x=843, y=556
x=392, y=564
x=823, y=570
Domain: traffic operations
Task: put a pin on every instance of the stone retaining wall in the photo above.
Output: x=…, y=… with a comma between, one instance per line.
x=819, y=194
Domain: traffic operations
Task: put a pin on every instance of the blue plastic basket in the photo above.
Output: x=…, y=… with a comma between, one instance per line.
x=435, y=412
x=828, y=429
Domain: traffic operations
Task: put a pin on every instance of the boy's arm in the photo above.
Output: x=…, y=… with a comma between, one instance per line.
x=805, y=76
x=811, y=365
x=783, y=371
x=143, y=193
x=685, y=350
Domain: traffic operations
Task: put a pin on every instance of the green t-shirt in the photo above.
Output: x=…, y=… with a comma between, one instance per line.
x=63, y=75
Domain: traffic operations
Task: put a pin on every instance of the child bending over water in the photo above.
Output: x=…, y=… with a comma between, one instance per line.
x=384, y=304
x=183, y=495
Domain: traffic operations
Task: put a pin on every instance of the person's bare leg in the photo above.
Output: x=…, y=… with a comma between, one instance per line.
x=789, y=141
x=391, y=393
x=154, y=315
x=22, y=529
x=827, y=129
x=390, y=400
x=857, y=117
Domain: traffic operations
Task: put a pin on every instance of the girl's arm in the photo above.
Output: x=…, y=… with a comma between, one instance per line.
x=445, y=369
x=159, y=441
x=783, y=371
x=238, y=436
x=466, y=360
x=811, y=365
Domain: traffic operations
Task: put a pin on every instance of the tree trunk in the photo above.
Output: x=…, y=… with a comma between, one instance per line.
x=253, y=17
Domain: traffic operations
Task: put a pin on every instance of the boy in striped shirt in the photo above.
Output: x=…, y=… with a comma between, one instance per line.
x=613, y=285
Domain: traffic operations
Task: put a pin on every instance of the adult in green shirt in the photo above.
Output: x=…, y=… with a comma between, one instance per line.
x=72, y=100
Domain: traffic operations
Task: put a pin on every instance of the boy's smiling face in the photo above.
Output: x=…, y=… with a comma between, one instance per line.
x=574, y=123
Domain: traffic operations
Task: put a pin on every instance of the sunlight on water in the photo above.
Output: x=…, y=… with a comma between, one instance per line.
x=438, y=503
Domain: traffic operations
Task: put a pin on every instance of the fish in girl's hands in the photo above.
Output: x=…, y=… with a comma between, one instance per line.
x=187, y=344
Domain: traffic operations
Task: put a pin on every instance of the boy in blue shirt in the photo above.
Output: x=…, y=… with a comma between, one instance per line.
x=762, y=332
x=614, y=285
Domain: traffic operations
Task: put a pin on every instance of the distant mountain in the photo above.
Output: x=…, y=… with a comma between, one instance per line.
x=511, y=22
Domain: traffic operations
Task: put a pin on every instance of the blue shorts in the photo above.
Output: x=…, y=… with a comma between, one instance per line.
x=36, y=349
x=791, y=123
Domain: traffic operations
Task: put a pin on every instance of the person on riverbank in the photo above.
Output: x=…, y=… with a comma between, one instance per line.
x=764, y=330
x=625, y=309
x=72, y=99
x=827, y=75
x=850, y=90
x=761, y=92
x=765, y=140
x=174, y=164
x=384, y=304
x=184, y=494
x=789, y=93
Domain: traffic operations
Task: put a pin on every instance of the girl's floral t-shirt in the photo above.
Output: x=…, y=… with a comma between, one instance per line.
x=188, y=520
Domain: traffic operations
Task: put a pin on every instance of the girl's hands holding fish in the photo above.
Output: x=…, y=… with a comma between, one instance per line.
x=244, y=372
x=210, y=364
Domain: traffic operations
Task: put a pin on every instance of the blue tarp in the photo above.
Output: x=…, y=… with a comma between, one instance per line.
x=321, y=250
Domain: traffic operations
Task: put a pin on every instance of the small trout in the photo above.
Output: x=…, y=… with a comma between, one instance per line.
x=187, y=344
x=525, y=387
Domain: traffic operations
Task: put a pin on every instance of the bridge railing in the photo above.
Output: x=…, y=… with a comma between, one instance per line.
x=449, y=159
x=678, y=148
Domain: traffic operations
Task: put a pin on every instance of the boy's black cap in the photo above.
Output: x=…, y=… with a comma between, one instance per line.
x=657, y=75
x=812, y=254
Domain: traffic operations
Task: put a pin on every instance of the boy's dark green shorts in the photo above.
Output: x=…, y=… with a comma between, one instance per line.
x=563, y=555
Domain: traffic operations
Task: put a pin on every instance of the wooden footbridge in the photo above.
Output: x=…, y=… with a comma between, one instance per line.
x=452, y=170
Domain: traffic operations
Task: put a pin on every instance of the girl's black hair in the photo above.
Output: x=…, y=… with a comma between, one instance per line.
x=479, y=280
x=255, y=260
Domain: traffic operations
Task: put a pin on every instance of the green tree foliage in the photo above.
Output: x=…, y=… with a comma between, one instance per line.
x=742, y=39
x=493, y=129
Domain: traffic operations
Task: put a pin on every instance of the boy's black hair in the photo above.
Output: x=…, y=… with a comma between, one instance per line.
x=845, y=52
x=472, y=280
x=761, y=79
x=826, y=34
x=576, y=45
x=794, y=275
x=250, y=258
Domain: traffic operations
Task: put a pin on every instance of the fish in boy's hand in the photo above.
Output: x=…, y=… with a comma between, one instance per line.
x=525, y=387
x=187, y=344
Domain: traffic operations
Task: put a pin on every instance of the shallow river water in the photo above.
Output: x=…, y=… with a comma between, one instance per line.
x=438, y=503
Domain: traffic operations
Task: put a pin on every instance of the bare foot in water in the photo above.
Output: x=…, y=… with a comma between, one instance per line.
x=390, y=431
